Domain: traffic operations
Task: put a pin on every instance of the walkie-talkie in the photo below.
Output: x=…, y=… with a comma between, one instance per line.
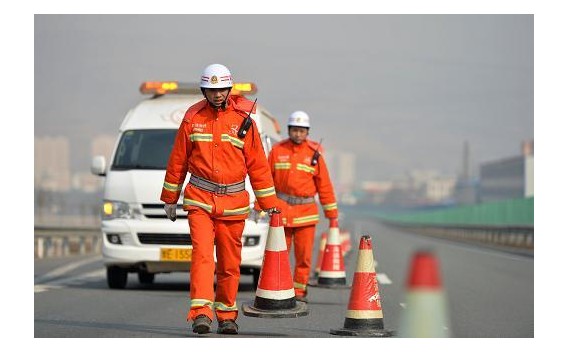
x=247, y=122
x=316, y=154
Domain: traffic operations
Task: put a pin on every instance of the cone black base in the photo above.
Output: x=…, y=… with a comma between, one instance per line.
x=328, y=283
x=274, y=304
x=364, y=332
x=300, y=309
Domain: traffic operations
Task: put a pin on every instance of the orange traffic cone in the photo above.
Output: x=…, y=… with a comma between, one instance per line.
x=332, y=271
x=275, y=296
x=364, y=313
x=323, y=241
x=426, y=312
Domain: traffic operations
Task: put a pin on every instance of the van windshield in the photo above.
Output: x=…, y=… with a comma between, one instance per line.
x=144, y=149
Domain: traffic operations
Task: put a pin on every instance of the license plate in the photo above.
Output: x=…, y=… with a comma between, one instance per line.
x=175, y=254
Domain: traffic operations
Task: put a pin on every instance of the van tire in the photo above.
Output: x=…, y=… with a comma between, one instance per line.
x=145, y=277
x=116, y=277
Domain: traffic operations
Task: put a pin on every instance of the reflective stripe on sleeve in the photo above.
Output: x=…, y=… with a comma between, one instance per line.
x=265, y=192
x=330, y=206
x=172, y=186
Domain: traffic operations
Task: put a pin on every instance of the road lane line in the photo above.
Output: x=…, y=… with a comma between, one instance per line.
x=64, y=269
x=63, y=282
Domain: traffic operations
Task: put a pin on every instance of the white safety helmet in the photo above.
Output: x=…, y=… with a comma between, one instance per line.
x=216, y=76
x=299, y=119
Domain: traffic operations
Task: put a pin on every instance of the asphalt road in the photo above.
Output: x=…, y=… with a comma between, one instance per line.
x=489, y=293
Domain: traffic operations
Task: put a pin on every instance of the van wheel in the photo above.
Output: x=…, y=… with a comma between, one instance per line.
x=255, y=277
x=116, y=277
x=145, y=277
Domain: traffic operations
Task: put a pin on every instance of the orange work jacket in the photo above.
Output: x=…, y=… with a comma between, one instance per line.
x=294, y=175
x=207, y=146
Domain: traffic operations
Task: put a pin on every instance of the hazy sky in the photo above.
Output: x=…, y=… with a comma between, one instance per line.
x=402, y=92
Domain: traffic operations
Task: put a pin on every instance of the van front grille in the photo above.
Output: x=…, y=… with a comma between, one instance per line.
x=175, y=239
x=156, y=211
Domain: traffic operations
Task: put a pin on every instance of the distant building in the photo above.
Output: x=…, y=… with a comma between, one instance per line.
x=439, y=189
x=341, y=167
x=508, y=178
x=52, y=164
x=375, y=191
x=466, y=192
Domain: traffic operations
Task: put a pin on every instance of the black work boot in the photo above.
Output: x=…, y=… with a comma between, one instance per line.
x=202, y=324
x=228, y=327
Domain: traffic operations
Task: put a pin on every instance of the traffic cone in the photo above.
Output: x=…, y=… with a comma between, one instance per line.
x=364, y=313
x=426, y=311
x=275, y=296
x=323, y=241
x=332, y=271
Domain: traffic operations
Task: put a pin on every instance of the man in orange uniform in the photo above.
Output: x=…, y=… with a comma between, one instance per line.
x=208, y=146
x=299, y=172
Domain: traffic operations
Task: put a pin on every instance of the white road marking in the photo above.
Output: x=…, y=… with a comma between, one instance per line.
x=63, y=282
x=65, y=269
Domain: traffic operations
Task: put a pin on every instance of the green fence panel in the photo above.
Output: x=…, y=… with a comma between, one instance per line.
x=514, y=212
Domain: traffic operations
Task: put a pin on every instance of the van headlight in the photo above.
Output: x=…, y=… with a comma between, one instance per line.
x=116, y=210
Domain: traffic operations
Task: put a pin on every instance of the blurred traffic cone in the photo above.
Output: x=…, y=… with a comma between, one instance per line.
x=332, y=271
x=364, y=313
x=426, y=312
x=275, y=296
x=323, y=241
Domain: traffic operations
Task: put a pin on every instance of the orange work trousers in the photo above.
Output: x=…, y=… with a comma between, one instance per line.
x=208, y=233
x=303, y=238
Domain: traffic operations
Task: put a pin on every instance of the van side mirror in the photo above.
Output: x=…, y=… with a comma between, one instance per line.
x=98, y=165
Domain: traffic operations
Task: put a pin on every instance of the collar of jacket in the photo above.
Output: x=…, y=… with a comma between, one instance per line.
x=235, y=102
x=308, y=143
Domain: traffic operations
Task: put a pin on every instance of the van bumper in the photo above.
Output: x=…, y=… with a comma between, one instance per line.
x=135, y=253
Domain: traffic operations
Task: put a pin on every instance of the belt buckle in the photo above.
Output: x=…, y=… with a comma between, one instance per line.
x=221, y=189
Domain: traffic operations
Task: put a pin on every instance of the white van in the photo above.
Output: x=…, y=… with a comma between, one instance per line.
x=137, y=236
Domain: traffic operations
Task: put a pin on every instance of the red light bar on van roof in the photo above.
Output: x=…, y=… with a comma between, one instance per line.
x=174, y=87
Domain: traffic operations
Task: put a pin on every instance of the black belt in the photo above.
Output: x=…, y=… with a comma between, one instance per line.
x=295, y=200
x=216, y=188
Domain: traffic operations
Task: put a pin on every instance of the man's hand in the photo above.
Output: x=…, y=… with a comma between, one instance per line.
x=272, y=210
x=171, y=211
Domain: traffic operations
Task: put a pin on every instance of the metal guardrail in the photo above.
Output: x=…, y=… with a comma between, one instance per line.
x=52, y=242
x=516, y=237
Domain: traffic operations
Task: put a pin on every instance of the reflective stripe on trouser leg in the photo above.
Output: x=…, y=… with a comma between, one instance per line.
x=228, y=239
x=201, y=276
x=303, y=239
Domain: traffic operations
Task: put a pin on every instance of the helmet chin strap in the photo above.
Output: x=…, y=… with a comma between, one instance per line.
x=223, y=104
